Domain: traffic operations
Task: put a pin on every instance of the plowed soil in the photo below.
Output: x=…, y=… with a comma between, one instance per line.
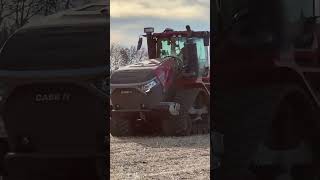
x=160, y=157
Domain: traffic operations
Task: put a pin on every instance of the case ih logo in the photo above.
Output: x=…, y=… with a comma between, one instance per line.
x=52, y=97
x=126, y=92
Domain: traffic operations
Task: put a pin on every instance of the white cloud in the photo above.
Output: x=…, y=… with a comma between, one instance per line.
x=129, y=17
x=163, y=9
x=127, y=26
x=122, y=37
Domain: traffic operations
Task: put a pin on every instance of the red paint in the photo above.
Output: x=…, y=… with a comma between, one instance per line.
x=165, y=75
x=165, y=72
x=179, y=33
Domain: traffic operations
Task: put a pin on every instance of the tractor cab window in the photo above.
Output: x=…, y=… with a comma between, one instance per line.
x=165, y=49
x=202, y=52
x=172, y=47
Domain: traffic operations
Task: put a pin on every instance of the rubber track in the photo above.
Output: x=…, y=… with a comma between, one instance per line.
x=120, y=125
x=244, y=117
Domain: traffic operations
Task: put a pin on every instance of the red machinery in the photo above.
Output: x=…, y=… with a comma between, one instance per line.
x=165, y=93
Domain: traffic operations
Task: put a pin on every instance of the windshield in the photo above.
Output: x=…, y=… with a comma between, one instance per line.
x=174, y=47
x=202, y=52
x=171, y=46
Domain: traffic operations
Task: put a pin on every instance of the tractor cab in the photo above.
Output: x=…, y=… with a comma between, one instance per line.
x=188, y=47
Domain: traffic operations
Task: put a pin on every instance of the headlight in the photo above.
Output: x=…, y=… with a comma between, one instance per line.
x=147, y=87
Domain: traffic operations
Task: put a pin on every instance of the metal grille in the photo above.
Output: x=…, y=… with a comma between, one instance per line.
x=55, y=125
x=134, y=99
x=128, y=101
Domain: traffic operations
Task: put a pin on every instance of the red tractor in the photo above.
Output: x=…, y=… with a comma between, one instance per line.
x=266, y=107
x=165, y=94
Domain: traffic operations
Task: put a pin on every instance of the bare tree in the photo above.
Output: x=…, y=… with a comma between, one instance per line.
x=16, y=13
x=50, y=6
x=132, y=55
x=24, y=10
x=122, y=56
x=142, y=54
x=115, y=56
x=67, y=4
x=4, y=28
x=4, y=13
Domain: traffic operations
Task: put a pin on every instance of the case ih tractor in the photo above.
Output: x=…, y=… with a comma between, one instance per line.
x=53, y=98
x=266, y=90
x=166, y=93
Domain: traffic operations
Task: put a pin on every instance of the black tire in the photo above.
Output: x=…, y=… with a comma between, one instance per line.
x=179, y=125
x=246, y=120
x=121, y=124
x=204, y=125
x=4, y=149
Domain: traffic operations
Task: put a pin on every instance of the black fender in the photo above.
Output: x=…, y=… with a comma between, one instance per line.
x=291, y=75
x=191, y=95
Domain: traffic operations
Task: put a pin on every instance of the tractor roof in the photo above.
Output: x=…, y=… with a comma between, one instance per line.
x=95, y=14
x=168, y=34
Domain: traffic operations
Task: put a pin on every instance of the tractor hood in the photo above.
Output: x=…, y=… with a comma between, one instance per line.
x=142, y=71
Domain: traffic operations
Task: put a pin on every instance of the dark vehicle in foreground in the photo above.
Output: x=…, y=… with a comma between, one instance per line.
x=266, y=90
x=165, y=94
x=54, y=98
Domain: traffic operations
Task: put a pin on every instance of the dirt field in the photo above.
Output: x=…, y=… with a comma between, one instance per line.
x=160, y=158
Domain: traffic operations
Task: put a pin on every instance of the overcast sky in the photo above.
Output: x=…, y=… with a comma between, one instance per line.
x=129, y=17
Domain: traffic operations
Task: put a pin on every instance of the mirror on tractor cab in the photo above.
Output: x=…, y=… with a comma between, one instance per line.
x=139, y=43
x=206, y=41
x=239, y=15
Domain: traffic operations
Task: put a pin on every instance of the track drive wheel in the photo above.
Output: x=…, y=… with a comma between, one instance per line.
x=267, y=133
x=180, y=125
x=121, y=124
x=200, y=114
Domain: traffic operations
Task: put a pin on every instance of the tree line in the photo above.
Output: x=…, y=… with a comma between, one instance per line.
x=16, y=13
x=122, y=56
